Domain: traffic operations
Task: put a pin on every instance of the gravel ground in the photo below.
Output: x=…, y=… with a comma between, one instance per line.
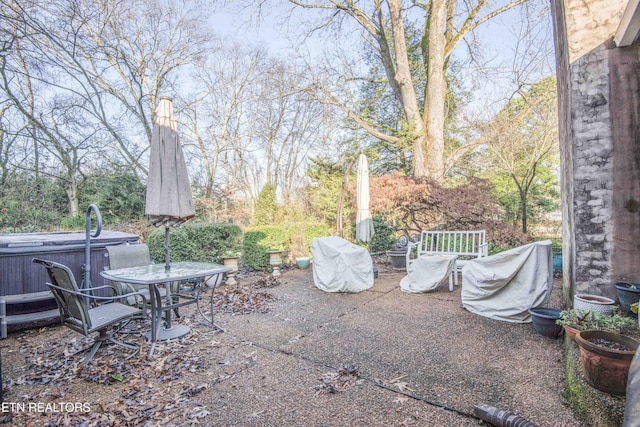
x=377, y=358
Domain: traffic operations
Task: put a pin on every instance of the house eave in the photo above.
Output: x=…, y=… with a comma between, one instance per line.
x=629, y=27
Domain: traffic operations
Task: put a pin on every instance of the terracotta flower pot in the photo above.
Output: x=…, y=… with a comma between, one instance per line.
x=606, y=369
x=570, y=332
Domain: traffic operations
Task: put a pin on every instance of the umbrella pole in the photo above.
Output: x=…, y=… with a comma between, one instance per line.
x=167, y=265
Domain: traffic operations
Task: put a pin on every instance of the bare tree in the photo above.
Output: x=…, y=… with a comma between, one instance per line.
x=220, y=120
x=444, y=25
x=63, y=136
x=98, y=68
x=526, y=135
x=133, y=55
x=253, y=123
x=289, y=125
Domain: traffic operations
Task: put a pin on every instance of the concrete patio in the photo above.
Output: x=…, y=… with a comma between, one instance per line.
x=379, y=357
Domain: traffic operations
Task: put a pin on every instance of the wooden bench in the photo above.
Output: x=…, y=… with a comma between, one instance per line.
x=19, y=319
x=465, y=244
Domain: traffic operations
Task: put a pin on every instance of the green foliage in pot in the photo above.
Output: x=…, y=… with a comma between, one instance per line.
x=583, y=320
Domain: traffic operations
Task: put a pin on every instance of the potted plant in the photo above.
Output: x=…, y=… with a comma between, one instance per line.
x=606, y=357
x=590, y=302
x=576, y=320
x=628, y=294
x=544, y=321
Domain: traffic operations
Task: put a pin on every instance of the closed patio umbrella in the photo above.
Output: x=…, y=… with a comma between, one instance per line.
x=169, y=201
x=364, y=224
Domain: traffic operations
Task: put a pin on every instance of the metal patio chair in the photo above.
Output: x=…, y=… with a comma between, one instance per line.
x=125, y=256
x=181, y=293
x=105, y=316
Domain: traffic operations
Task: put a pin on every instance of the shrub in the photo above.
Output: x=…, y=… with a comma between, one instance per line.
x=294, y=237
x=254, y=253
x=266, y=206
x=119, y=195
x=503, y=235
x=202, y=242
x=419, y=204
x=29, y=204
x=384, y=237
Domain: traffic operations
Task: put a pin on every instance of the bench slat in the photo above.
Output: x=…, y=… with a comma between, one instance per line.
x=461, y=243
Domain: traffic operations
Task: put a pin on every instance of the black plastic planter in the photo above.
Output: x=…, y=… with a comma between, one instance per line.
x=398, y=259
x=544, y=321
x=628, y=293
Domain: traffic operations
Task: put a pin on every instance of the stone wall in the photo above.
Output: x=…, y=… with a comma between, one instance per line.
x=624, y=77
x=592, y=148
x=599, y=137
x=565, y=138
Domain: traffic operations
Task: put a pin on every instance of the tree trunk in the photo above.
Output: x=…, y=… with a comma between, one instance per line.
x=523, y=210
x=409, y=101
x=435, y=94
x=72, y=196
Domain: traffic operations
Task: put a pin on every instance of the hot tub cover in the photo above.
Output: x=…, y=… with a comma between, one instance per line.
x=340, y=266
x=506, y=285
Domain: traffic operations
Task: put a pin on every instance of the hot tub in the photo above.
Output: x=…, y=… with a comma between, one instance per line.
x=18, y=275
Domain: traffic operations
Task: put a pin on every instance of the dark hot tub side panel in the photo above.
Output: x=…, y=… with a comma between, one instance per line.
x=18, y=275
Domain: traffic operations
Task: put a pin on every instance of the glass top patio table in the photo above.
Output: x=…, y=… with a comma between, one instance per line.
x=154, y=275
x=157, y=274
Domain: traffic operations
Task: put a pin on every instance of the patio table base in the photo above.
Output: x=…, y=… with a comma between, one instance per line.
x=175, y=331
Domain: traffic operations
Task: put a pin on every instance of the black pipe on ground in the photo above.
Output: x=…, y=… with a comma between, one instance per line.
x=500, y=418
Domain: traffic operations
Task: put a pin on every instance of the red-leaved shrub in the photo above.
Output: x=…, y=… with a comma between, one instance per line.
x=420, y=204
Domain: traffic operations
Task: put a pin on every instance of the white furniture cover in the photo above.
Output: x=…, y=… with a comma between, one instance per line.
x=427, y=271
x=340, y=266
x=506, y=285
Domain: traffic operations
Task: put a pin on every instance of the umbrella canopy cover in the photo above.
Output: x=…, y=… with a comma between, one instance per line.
x=169, y=200
x=364, y=224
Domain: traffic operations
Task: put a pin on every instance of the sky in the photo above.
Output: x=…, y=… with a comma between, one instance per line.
x=491, y=84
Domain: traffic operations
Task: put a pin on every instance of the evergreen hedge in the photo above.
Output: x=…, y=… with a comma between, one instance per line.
x=293, y=237
x=201, y=242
